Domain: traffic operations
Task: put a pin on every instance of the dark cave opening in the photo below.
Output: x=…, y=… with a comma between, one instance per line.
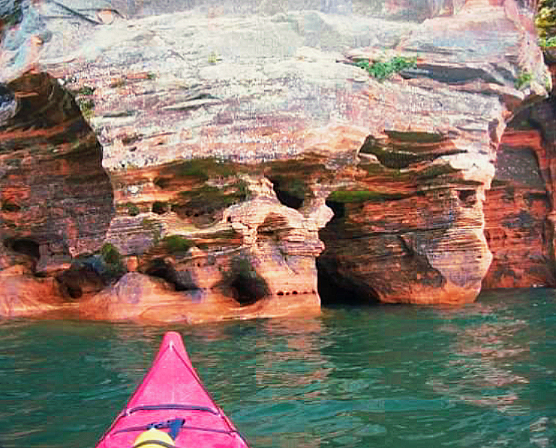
x=246, y=285
x=248, y=289
x=79, y=281
x=338, y=208
x=24, y=246
x=181, y=281
x=290, y=198
x=160, y=269
x=336, y=290
x=467, y=197
x=160, y=207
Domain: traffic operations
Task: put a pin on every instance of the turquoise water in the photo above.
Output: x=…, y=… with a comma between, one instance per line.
x=385, y=376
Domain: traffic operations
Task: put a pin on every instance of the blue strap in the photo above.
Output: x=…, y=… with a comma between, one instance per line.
x=175, y=426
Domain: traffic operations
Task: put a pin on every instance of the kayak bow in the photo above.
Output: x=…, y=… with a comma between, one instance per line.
x=172, y=399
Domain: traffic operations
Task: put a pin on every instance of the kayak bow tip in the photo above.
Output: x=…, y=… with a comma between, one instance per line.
x=173, y=339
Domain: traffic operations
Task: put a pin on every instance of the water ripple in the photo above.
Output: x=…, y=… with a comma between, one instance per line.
x=477, y=376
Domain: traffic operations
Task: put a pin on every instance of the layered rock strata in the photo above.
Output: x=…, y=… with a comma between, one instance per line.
x=56, y=201
x=519, y=211
x=231, y=140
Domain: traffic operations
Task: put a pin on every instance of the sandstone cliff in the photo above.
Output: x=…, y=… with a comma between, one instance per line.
x=202, y=163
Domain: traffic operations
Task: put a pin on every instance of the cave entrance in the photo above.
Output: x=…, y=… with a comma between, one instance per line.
x=25, y=246
x=246, y=285
x=335, y=289
x=180, y=280
x=79, y=281
x=290, y=193
x=248, y=290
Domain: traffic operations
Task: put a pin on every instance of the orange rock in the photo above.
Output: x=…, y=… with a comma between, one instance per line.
x=142, y=298
x=518, y=213
x=25, y=296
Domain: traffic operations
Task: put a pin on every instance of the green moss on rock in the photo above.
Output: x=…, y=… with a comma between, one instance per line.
x=350, y=196
x=113, y=259
x=416, y=137
x=204, y=169
x=132, y=209
x=208, y=198
x=435, y=171
x=176, y=244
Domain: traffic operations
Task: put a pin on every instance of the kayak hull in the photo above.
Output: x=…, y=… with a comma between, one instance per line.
x=171, y=398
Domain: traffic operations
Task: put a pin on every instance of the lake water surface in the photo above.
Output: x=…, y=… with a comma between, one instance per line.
x=386, y=376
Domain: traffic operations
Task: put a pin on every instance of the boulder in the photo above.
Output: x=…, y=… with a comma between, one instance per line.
x=23, y=295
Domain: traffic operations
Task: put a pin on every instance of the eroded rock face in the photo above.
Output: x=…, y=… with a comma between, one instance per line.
x=240, y=146
x=55, y=197
x=24, y=295
x=519, y=211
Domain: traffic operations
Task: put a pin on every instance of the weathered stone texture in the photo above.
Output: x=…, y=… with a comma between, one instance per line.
x=55, y=197
x=516, y=211
x=519, y=212
x=231, y=138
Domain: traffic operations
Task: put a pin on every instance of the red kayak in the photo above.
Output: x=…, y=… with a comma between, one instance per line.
x=171, y=408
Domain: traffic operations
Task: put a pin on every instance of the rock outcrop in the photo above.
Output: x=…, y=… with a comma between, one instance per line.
x=519, y=212
x=229, y=150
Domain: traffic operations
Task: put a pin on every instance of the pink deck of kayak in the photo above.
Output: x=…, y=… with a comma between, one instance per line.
x=172, y=390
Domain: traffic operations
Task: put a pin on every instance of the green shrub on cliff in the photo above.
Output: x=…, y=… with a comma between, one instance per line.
x=523, y=80
x=382, y=70
x=110, y=254
x=550, y=42
x=114, y=264
x=87, y=107
x=176, y=244
x=545, y=20
x=132, y=209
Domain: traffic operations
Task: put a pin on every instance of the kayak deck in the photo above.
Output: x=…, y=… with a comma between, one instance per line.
x=172, y=398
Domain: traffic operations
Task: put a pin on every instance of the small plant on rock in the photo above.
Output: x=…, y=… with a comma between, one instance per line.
x=176, y=244
x=547, y=42
x=113, y=260
x=87, y=107
x=545, y=20
x=382, y=70
x=132, y=209
x=523, y=80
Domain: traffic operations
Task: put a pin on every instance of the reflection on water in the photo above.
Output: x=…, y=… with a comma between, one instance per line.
x=483, y=354
x=479, y=376
x=299, y=357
